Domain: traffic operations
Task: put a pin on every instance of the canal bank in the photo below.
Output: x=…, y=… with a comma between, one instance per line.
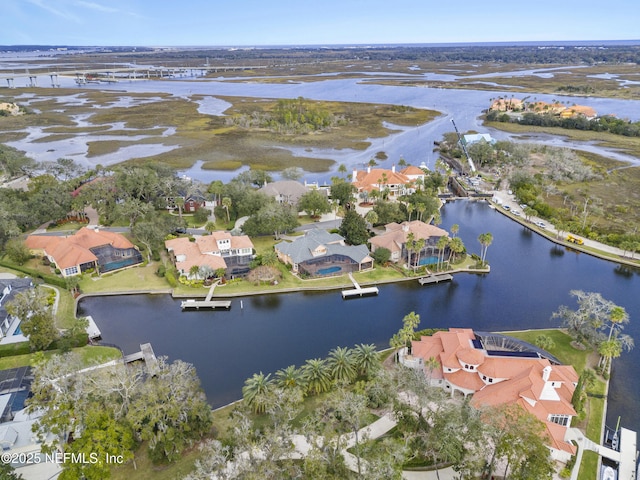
x=528, y=282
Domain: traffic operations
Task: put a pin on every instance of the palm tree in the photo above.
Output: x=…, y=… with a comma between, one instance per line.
x=290, y=377
x=210, y=227
x=342, y=365
x=255, y=390
x=410, y=209
x=226, y=203
x=421, y=208
x=317, y=375
x=365, y=357
x=419, y=245
x=179, y=201
x=409, y=246
x=485, y=240
x=206, y=271
x=617, y=317
x=455, y=228
x=194, y=271
x=608, y=350
x=455, y=247
x=442, y=245
x=371, y=217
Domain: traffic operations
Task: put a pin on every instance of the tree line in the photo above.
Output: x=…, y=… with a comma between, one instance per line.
x=606, y=123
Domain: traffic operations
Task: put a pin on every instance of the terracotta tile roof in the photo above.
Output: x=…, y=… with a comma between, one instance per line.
x=396, y=234
x=74, y=250
x=192, y=255
x=412, y=170
x=471, y=356
x=465, y=379
x=523, y=382
x=365, y=179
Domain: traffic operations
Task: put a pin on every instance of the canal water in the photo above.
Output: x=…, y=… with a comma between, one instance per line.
x=530, y=278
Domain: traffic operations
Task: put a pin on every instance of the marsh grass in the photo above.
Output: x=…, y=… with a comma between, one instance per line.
x=203, y=137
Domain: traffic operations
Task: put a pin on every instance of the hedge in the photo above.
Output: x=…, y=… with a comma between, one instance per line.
x=46, y=277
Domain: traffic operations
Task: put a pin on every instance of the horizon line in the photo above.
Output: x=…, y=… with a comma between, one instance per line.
x=629, y=42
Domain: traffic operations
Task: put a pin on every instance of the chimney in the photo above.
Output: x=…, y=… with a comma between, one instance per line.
x=546, y=372
x=369, y=169
x=354, y=176
x=393, y=168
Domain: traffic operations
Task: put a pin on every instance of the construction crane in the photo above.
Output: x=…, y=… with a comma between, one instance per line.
x=464, y=148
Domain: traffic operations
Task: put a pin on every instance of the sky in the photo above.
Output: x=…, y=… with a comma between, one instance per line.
x=306, y=22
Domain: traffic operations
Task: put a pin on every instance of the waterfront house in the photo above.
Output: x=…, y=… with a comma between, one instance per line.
x=320, y=253
x=395, y=238
x=86, y=249
x=220, y=250
x=287, y=192
x=496, y=370
x=395, y=183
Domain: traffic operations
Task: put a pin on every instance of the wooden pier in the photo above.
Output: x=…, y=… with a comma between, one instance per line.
x=207, y=302
x=443, y=277
x=358, y=290
x=147, y=354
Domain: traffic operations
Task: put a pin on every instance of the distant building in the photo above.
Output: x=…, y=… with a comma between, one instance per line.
x=492, y=374
x=233, y=253
x=9, y=288
x=320, y=253
x=478, y=137
x=287, y=192
x=395, y=238
x=397, y=183
x=87, y=248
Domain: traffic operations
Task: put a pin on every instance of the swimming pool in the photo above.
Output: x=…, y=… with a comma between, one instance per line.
x=428, y=260
x=328, y=270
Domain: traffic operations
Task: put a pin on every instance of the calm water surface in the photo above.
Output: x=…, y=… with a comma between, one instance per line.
x=529, y=279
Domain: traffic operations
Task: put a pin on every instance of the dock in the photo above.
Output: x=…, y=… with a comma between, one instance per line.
x=358, y=290
x=93, y=332
x=437, y=278
x=147, y=354
x=207, y=302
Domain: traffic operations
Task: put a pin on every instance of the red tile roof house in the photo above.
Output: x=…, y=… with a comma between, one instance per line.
x=395, y=237
x=233, y=253
x=398, y=183
x=87, y=248
x=463, y=365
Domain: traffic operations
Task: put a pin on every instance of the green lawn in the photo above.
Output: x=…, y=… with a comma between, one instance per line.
x=91, y=355
x=141, y=278
x=562, y=349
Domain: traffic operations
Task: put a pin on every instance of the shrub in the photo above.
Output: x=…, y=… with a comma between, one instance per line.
x=171, y=278
x=161, y=271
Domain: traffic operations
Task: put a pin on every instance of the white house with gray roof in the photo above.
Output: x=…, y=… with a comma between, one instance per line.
x=320, y=253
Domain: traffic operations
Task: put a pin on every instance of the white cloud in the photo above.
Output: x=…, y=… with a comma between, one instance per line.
x=96, y=6
x=59, y=13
